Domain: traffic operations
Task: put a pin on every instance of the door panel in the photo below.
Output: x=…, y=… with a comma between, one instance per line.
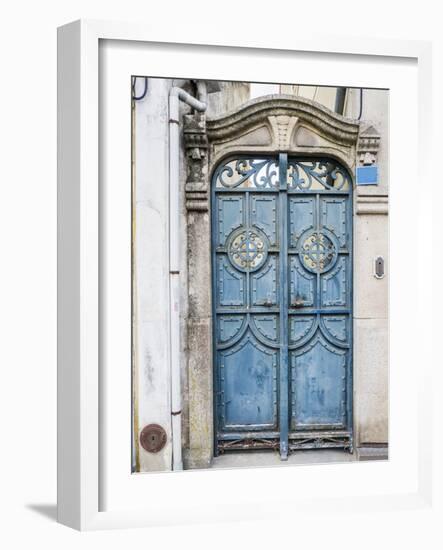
x=231, y=285
x=248, y=375
x=264, y=210
x=267, y=326
x=336, y=327
x=264, y=284
x=246, y=253
x=335, y=285
x=334, y=217
x=318, y=382
x=302, y=288
x=320, y=274
x=301, y=217
x=230, y=216
x=229, y=326
x=301, y=327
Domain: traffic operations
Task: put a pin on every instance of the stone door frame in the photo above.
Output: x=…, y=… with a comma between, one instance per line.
x=266, y=125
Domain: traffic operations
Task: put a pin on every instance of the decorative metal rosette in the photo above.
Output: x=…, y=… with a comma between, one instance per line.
x=318, y=251
x=247, y=249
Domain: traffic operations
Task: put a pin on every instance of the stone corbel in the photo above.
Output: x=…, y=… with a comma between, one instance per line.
x=368, y=147
x=196, y=151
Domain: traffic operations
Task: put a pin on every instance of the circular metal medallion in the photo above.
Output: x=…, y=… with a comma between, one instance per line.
x=247, y=249
x=153, y=438
x=318, y=252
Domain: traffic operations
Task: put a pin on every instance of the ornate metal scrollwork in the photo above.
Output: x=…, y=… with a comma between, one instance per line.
x=322, y=441
x=317, y=175
x=264, y=174
x=251, y=173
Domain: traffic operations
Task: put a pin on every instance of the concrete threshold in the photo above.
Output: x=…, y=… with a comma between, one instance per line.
x=254, y=459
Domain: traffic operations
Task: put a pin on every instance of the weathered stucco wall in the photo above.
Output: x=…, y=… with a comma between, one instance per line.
x=151, y=371
x=371, y=295
x=151, y=290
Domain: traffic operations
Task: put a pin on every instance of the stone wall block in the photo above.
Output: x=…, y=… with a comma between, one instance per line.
x=371, y=381
x=200, y=394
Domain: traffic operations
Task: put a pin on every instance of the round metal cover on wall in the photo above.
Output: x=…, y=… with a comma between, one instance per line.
x=153, y=438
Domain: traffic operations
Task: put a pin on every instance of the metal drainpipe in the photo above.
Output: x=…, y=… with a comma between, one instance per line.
x=200, y=104
x=340, y=100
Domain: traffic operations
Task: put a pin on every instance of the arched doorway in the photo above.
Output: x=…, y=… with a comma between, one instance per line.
x=282, y=303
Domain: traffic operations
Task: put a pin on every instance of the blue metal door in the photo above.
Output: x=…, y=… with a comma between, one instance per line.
x=282, y=281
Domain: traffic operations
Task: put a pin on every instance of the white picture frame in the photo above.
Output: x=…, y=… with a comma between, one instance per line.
x=84, y=471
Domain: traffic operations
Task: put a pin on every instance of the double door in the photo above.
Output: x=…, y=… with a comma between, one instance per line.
x=282, y=301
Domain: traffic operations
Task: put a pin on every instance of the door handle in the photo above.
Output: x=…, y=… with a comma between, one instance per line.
x=267, y=302
x=297, y=302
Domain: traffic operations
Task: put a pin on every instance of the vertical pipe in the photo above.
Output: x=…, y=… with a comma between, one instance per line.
x=175, y=95
x=174, y=289
x=174, y=255
x=340, y=100
x=284, y=368
x=174, y=281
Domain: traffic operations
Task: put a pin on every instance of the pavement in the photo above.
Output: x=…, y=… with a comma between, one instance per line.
x=254, y=459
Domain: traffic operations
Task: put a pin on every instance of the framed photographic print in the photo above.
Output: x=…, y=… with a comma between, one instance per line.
x=269, y=255
x=232, y=326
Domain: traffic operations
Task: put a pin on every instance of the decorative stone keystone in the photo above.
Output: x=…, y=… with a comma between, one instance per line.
x=283, y=126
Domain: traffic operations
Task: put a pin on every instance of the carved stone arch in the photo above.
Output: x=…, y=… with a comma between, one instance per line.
x=267, y=125
x=286, y=123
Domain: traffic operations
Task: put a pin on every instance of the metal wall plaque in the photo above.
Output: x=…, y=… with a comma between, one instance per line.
x=379, y=267
x=367, y=175
x=153, y=438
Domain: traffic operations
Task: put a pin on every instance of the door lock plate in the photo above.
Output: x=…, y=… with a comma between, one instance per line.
x=379, y=267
